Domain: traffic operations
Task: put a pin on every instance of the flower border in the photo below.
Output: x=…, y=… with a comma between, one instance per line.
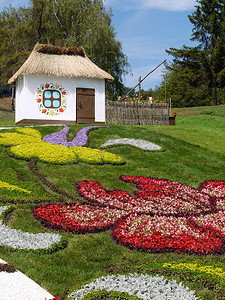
x=54, y=246
x=51, y=111
x=136, y=285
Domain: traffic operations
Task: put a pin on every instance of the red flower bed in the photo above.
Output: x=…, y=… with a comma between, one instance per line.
x=162, y=215
x=76, y=218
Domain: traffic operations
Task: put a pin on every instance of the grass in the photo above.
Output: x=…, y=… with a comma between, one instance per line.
x=194, y=153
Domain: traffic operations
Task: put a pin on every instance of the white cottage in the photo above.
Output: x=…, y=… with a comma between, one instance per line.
x=59, y=85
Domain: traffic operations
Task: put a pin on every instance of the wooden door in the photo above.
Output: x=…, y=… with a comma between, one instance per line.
x=85, y=105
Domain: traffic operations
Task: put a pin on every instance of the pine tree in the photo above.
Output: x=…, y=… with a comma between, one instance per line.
x=209, y=31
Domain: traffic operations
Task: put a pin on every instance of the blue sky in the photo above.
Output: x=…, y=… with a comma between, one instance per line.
x=146, y=28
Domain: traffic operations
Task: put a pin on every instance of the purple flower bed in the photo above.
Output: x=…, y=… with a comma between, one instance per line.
x=61, y=138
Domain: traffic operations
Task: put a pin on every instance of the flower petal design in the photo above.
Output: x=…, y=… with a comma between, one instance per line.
x=10, y=187
x=48, y=153
x=144, y=286
x=163, y=216
x=158, y=196
x=163, y=234
x=215, y=188
x=95, y=193
x=18, y=239
x=216, y=221
x=76, y=218
x=142, y=144
x=95, y=156
x=80, y=140
x=170, y=195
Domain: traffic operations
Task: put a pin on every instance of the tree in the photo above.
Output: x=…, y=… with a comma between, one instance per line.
x=209, y=56
x=78, y=23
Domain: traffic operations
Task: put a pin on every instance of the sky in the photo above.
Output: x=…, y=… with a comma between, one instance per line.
x=145, y=29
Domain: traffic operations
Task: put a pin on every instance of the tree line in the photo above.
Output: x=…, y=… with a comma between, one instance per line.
x=77, y=22
x=196, y=75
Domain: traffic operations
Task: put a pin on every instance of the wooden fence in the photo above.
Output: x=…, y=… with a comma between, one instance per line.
x=124, y=113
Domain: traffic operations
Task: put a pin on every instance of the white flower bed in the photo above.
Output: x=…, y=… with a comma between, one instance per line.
x=145, y=287
x=142, y=144
x=18, y=239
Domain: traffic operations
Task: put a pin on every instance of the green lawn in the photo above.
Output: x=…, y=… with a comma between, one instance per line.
x=194, y=152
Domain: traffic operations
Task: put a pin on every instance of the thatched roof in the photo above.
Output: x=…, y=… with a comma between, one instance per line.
x=62, y=62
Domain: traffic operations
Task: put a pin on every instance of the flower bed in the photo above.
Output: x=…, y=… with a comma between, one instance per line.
x=145, y=287
x=61, y=137
x=14, y=188
x=26, y=144
x=197, y=268
x=76, y=218
x=17, y=239
x=162, y=216
x=142, y=144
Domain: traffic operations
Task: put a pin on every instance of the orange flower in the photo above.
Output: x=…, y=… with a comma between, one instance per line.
x=44, y=111
x=61, y=109
x=39, y=100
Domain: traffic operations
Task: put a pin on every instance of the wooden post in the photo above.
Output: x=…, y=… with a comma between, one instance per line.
x=139, y=96
x=170, y=107
x=143, y=79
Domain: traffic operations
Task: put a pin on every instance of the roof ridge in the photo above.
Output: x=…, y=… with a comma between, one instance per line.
x=56, y=50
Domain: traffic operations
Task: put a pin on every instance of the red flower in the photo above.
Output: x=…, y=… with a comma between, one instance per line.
x=64, y=93
x=39, y=100
x=44, y=111
x=61, y=109
x=47, y=86
x=163, y=215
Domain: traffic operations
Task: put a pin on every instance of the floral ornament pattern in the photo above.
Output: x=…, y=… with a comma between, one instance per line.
x=144, y=286
x=51, y=111
x=18, y=239
x=142, y=144
x=197, y=268
x=162, y=216
x=10, y=187
x=26, y=143
x=80, y=140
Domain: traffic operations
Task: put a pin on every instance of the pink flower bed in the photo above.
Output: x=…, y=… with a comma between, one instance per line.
x=161, y=216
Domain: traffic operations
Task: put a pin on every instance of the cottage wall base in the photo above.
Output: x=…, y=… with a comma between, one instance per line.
x=55, y=122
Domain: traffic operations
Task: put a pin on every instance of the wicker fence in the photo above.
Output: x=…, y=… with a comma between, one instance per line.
x=123, y=113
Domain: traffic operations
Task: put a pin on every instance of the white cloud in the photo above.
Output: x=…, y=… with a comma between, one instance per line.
x=172, y=5
x=175, y=5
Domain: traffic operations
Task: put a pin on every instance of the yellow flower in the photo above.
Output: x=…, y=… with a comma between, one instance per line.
x=52, y=113
x=195, y=267
x=7, y=186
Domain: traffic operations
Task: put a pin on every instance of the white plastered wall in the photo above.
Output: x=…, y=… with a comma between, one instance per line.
x=26, y=97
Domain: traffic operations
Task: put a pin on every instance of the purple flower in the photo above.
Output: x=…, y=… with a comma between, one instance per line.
x=61, y=137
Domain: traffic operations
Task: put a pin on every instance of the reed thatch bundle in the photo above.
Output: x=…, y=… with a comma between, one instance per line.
x=61, y=62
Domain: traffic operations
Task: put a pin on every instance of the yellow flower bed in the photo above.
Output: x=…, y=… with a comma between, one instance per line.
x=195, y=267
x=96, y=156
x=26, y=143
x=10, y=187
x=49, y=153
